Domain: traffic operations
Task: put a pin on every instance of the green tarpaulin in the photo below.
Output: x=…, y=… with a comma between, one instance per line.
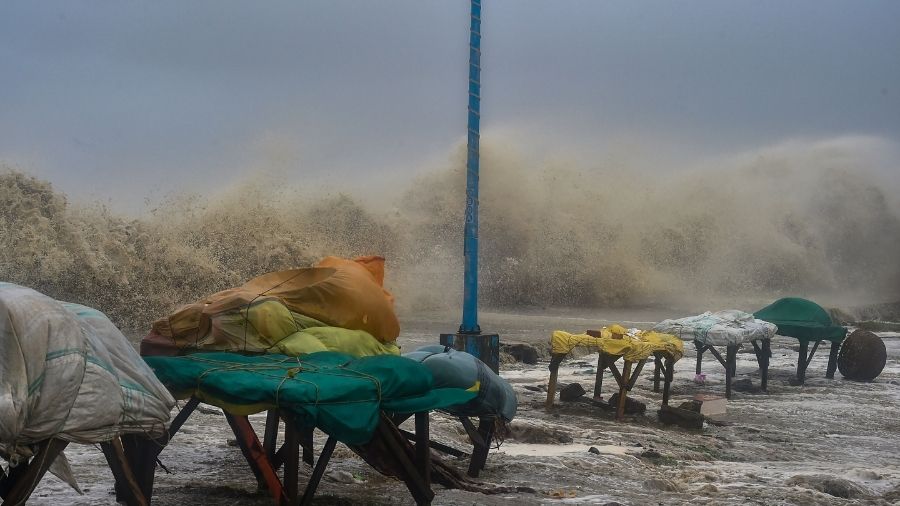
x=801, y=318
x=332, y=391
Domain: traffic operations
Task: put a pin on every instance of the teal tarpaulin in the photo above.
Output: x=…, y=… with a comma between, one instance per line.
x=802, y=319
x=331, y=391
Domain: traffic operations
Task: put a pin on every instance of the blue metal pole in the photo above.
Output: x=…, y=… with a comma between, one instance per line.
x=470, y=289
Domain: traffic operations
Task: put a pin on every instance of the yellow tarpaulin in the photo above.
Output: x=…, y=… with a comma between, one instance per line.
x=631, y=347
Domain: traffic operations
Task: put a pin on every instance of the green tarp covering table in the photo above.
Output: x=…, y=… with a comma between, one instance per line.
x=807, y=322
x=345, y=397
x=334, y=392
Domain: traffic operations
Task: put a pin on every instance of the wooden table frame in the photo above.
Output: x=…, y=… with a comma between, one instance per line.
x=803, y=359
x=481, y=438
x=761, y=347
x=17, y=486
x=412, y=464
x=626, y=379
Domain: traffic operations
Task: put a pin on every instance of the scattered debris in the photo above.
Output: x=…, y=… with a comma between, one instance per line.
x=632, y=406
x=710, y=404
x=743, y=385
x=831, y=485
x=571, y=392
x=521, y=352
x=686, y=418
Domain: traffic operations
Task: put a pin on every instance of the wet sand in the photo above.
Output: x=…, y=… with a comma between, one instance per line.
x=792, y=445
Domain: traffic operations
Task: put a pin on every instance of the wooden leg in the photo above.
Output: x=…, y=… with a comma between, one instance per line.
x=127, y=488
x=669, y=373
x=26, y=482
x=292, y=458
x=632, y=379
x=763, y=359
x=141, y=453
x=423, y=449
x=306, y=441
x=404, y=455
x=555, y=360
x=801, y=362
x=700, y=349
x=480, y=452
x=270, y=439
x=598, y=381
x=730, y=368
x=623, y=390
x=318, y=471
x=657, y=365
x=832, y=360
x=256, y=456
x=449, y=450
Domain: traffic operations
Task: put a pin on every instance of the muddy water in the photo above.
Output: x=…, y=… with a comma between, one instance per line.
x=765, y=453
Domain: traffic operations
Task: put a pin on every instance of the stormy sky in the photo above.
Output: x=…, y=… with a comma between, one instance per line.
x=122, y=100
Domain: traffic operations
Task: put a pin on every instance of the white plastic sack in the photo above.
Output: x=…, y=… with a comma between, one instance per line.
x=67, y=372
x=722, y=328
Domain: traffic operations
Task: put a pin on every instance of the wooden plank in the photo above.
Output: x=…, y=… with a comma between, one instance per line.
x=403, y=454
x=637, y=372
x=615, y=372
x=718, y=356
x=449, y=450
x=253, y=452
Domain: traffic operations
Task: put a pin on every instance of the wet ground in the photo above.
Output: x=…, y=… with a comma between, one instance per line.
x=826, y=442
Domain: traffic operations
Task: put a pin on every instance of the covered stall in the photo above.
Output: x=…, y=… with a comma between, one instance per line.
x=615, y=342
x=731, y=329
x=68, y=375
x=807, y=322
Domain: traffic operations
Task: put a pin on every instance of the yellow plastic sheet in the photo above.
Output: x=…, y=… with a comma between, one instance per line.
x=633, y=347
x=358, y=343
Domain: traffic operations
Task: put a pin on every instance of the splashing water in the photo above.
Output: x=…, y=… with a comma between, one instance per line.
x=811, y=219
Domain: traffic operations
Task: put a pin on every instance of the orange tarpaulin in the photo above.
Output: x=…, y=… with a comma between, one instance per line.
x=336, y=292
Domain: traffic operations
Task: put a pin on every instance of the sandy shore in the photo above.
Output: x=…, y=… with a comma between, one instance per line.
x=792, y=445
